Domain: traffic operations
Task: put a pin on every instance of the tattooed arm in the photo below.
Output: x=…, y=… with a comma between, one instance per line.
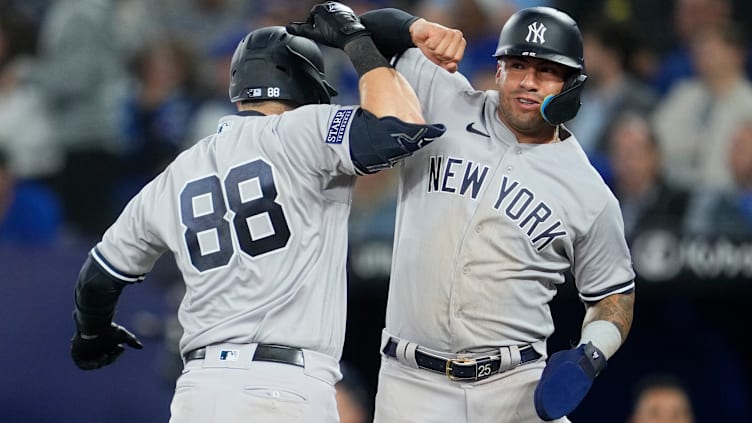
x=616, y=310
x=569, y=374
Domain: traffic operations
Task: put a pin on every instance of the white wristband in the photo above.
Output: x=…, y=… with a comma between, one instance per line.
x=604, y=335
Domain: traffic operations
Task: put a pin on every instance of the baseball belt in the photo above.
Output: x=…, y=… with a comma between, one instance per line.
x=464, y=369
x=264, y=352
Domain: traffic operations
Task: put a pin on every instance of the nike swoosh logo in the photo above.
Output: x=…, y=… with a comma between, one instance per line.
x=472, y=130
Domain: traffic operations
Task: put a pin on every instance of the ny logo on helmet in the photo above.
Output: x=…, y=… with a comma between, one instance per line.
x=535, y=33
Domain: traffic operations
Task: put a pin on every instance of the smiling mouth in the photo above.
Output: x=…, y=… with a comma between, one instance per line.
x=527, y=102
x=527, y=105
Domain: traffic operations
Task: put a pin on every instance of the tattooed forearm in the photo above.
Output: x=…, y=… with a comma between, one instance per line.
x=617, y=309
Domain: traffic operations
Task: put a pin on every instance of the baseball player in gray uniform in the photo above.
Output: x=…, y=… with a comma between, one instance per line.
x=256, y=217
x=488, y=223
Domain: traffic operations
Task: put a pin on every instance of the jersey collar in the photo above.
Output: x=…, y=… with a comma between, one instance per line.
x=250, y=113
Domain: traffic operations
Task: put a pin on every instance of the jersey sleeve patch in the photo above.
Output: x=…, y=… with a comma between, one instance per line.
x=110, y=270
x=337, y=126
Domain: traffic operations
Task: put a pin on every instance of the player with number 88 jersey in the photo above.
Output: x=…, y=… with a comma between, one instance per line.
x=256, y=217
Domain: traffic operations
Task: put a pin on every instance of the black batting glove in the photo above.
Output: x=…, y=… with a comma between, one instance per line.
x=331, y=23
x=91, y=352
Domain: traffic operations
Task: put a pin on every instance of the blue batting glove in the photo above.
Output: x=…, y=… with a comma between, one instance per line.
x=566, y=380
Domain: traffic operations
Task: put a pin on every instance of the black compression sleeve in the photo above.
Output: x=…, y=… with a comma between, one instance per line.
x=390, y=30
x=364, y=55
x=95, y=297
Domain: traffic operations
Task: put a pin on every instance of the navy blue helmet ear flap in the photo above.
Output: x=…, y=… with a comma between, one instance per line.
x=562, y=107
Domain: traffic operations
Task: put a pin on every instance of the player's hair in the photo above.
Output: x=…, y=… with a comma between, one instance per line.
x=658, y=381
x=270, y=64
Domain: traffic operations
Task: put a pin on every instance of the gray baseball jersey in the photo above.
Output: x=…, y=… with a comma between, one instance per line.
x=256, y=216
x=487, y=227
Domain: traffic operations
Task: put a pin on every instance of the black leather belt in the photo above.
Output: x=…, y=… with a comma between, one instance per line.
x=264, y=352
x=463, y=368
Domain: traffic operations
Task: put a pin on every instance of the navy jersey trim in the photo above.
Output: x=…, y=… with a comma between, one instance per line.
x=250, y=113
x=623, y=288
x=397, y=58
x=112, y=271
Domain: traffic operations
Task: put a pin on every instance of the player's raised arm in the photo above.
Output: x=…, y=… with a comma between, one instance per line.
x=395, y=30
x=390, y=124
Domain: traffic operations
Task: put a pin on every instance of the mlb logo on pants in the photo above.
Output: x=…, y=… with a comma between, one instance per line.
x=228, y=355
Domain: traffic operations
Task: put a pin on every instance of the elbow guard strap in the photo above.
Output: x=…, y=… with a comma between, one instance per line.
x=378, y=143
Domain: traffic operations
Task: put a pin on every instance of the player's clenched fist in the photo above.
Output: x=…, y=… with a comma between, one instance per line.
x=443, y=46
x=91, y=352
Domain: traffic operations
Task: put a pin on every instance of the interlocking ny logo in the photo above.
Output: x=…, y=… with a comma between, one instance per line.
x=535, y=31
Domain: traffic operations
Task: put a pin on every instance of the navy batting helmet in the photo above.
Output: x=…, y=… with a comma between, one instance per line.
x=550, y=34
x=270, y=64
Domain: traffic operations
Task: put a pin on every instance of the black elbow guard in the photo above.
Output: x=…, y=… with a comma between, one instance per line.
x=378, y=143
x=95, y=297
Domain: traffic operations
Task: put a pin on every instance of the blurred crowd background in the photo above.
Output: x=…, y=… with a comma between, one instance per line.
x=96, y=96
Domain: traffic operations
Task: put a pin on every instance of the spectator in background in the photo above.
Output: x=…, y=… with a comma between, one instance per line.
x=353, y=398
x=480, y=21
x=649, y=16
x=645, y=198
x=80, y=70
x=29, y=212
x=25, y=126
x=158, y=112
x=204, y=20
x=215, y=104
x=695, y=122
x=661, y=399
x=136, y=23
x=34, y=9
x=727, y=213
x=688, y=17
x=611, y=89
